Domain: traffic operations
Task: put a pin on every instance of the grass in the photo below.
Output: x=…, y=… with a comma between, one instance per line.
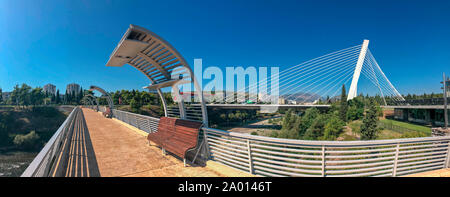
x=388, y=134
x=406, y=125
x=413, y=130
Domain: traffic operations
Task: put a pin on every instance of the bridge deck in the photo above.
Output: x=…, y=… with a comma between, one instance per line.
x=120, y=151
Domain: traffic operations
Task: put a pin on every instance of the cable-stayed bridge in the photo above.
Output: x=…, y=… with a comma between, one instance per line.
x=322, y=78
x=130, y=144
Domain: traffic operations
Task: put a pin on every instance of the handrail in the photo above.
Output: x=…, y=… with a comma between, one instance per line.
x=145, y=123
x=41, y=164
x=268, y=156
x=329, y=143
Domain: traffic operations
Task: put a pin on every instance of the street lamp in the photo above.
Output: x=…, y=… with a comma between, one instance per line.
x=446, y=88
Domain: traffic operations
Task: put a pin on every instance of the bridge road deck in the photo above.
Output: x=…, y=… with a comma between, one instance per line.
x=122, y=152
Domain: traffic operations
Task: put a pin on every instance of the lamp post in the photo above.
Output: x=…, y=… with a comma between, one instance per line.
x=445, y=81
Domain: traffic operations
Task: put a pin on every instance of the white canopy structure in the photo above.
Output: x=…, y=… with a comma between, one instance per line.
x=162, y=64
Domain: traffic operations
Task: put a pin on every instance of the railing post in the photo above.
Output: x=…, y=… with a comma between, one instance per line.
x=149, y=129
x=206, y=143
x=250, y=161
x=394, y=171
x=137, y=122
x=323, y=160
x=447, y=161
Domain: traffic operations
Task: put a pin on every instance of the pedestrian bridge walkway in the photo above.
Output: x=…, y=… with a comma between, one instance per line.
x=122, y=151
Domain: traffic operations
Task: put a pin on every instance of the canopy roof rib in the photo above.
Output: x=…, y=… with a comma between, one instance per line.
x=160, y=62
x=150, y=54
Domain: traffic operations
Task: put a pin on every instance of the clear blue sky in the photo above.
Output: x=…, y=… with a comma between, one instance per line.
x=62, y=42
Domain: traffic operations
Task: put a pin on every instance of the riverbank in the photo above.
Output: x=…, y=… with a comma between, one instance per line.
x=23, y=133
x=14, y=163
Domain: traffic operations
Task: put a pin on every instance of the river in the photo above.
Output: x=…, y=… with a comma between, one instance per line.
x=13, y=164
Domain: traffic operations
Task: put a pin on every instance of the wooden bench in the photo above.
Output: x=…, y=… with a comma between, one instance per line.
x=177, y=136
x=107, y=113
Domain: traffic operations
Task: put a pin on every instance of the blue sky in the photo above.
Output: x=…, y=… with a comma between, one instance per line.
x=62, y=42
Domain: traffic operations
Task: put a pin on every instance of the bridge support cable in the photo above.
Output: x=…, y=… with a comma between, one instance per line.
x=306, y=68
x=313, y=63
x=385, y=91
x=313, y=76
x=370, y=74
x=377, y=68
x=372, y=71
x=320, y=86
x=304, y=83
x=322, y=77
x=312, y=67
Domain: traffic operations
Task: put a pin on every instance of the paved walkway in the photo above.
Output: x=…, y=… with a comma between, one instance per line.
x=434, y=173
x=122, y=152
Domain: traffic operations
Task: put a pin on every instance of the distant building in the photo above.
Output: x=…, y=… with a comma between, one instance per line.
x=50, y=89
x=73, y=87
x=281, y=101
x=6, y=96
x=292, y=102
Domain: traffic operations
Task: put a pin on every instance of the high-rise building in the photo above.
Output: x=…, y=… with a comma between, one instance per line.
x=73, y=87
x=6, y=96
x=50, y=89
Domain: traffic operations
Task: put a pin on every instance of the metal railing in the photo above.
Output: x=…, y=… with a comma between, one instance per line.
x=43, y=162
x=286, y=157
x=145, y=123
x=268, y=156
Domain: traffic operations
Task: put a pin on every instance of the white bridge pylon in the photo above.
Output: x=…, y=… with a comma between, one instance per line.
x=352, y=93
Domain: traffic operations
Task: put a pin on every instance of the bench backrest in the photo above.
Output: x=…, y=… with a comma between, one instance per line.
x=187, y=131
x=166, y=125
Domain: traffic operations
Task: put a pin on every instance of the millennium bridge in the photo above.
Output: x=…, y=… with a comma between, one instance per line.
x=98, y=140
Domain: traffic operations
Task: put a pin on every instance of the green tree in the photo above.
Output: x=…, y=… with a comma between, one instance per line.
x=315, y=131
x=135, y=105
x=333, y=128
x=37, y=96
x=369, y=128
x=58, y=98
x=28, y=141
x=344, y=105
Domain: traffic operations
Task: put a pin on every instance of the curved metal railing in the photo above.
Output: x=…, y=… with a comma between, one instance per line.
x=267, y=156
x=145, y=123
x=43, y=162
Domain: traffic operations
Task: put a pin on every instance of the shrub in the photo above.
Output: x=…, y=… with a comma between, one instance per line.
x=47, y=112
x=28, y=141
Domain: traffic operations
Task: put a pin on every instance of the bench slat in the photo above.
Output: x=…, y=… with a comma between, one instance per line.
x=176, y=135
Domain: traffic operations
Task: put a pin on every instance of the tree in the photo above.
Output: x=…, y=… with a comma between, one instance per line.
x=315, y=131
x=28, y=141
x=135, y=105
x=369, y=128
x=333, y=128
x=290, y=126
x=58, y=98
x=344, y=105
x=37, y=96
